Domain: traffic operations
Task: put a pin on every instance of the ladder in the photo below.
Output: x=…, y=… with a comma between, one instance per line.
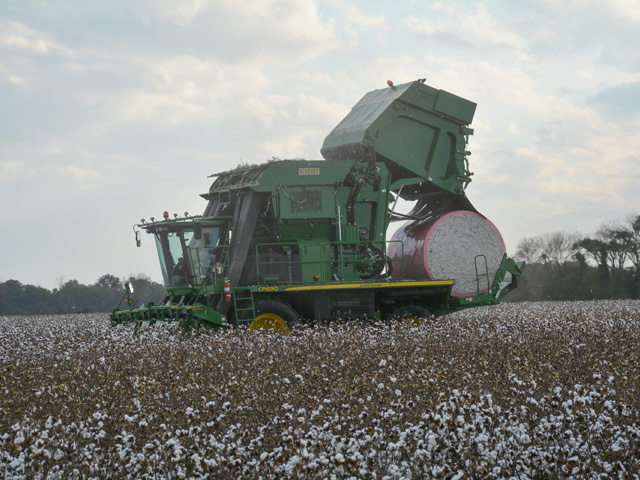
x=243, y=302
x=479, y=275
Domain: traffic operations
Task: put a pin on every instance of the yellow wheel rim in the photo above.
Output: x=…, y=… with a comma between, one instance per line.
x=269, y=322
x=416, y=321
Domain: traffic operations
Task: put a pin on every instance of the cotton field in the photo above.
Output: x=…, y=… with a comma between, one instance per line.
x=529, y=390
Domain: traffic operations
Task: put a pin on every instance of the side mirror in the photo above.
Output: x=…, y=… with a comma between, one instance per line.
x=129, y=287
x=138, y=240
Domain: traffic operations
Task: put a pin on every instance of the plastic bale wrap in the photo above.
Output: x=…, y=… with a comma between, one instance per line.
x=448, y=247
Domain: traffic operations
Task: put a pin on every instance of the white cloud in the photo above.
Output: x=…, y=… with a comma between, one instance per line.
x=17, y=36
x=476, y=29
x=354, y=15
x=183, y=89
x=85, y=176
x=266, y=32
x=10, y=169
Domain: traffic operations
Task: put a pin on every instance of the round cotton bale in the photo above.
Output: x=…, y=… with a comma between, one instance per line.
x=448, y=247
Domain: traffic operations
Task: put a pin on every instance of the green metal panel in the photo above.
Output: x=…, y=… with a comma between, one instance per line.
x=455, y=107
x=416, y=129
x=277, y=173
x=313, y=257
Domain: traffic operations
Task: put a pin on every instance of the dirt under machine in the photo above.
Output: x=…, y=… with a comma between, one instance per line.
x=290, y=241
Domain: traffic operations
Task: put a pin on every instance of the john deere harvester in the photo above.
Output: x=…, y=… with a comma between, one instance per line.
x=290, y=241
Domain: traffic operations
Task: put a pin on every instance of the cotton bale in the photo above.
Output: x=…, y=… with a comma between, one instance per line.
x=448, y=247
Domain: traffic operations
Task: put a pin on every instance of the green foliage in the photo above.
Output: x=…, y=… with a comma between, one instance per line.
x=74, y=297
x=603, y=266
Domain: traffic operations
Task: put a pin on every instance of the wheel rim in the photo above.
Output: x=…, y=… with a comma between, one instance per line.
x=412, y=320
x=269, y=322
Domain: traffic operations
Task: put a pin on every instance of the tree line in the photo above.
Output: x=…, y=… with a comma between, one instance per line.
x=74, y=297
x=569, y=266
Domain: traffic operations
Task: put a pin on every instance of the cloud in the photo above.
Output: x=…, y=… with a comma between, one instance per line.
x=17, y=36
x=10, y=169
x=353, y=15
x=621, y=99
x=85, y=176
x=266, y=32
x=456, y=25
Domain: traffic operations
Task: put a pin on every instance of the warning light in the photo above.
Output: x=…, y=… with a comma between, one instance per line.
x=390, y=83
x=166, y=215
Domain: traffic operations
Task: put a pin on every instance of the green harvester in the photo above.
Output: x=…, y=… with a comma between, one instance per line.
x=291, y=241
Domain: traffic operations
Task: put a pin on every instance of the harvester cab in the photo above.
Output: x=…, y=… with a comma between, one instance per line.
x=308, y=238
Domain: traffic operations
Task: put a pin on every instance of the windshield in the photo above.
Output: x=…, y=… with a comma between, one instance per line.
x=185, y=259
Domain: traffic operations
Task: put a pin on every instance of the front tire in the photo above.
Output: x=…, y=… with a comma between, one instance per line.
x=273, y=315
x=411, y=314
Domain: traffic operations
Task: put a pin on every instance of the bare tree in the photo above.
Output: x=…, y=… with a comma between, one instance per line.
x=529, y=249
x=558, y=247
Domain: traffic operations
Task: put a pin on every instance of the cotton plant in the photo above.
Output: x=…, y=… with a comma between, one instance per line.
x=516, y=390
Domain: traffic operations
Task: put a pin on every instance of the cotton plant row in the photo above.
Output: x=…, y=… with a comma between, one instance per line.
x=524, y=390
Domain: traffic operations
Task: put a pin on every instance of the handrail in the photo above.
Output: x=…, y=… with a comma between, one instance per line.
x=332, y=257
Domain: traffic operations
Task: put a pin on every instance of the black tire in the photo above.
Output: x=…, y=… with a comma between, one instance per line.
x=411, y=313
x=274, y=314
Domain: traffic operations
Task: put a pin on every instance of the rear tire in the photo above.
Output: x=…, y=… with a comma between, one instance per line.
x=411, y=314
x=274, y=315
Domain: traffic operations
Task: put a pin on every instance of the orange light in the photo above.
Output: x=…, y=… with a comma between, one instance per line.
x=165, y=215
x=390, y=83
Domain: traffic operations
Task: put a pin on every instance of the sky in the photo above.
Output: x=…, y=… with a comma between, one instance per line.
x=113, y=111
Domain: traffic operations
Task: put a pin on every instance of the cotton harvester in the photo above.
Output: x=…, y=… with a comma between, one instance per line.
x=304, y=240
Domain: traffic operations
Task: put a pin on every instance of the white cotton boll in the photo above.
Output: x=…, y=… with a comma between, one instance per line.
x=398, y=392
x=393, y=379
x=383, y=363
x=286, y=380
